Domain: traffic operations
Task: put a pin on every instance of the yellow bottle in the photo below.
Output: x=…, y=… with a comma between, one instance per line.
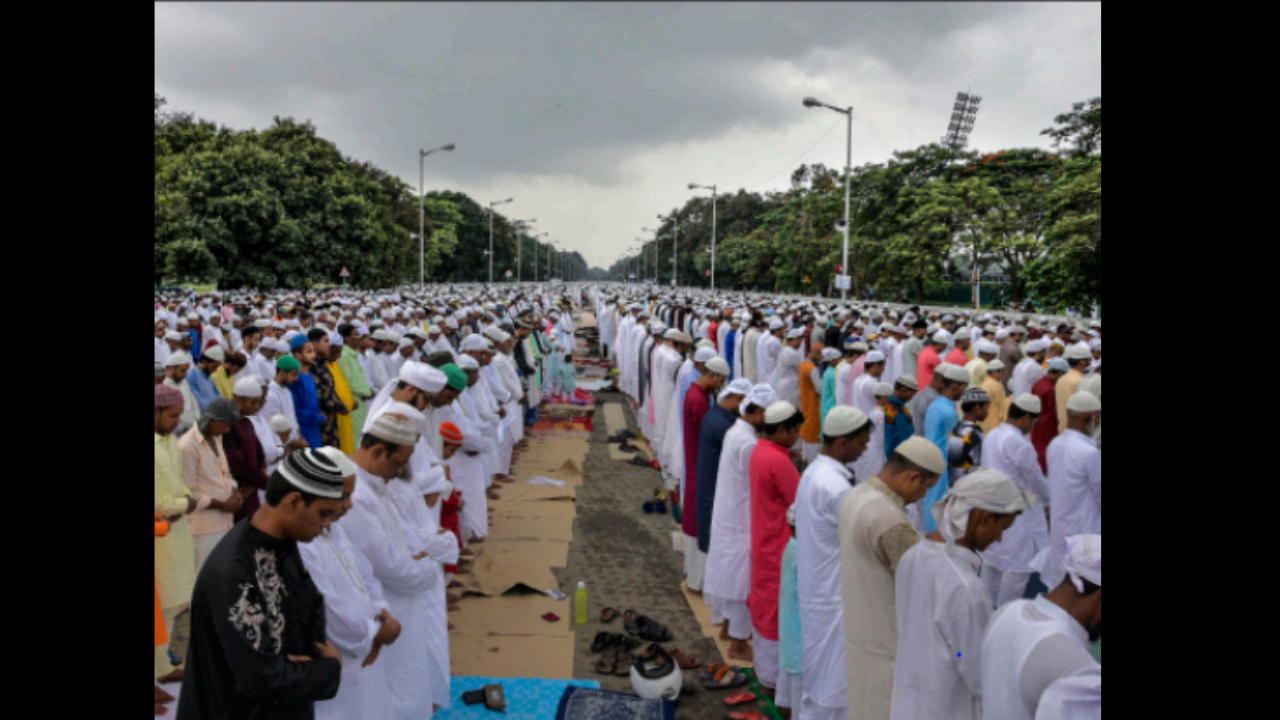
x=580, y=604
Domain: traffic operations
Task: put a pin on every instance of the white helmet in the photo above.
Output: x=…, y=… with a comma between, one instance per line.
x=656, y=676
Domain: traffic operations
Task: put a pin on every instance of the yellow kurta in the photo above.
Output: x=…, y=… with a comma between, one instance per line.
x=346, y=430
x=999, y=404
x=1067, y=387
x=175, y=555
x=225, y=383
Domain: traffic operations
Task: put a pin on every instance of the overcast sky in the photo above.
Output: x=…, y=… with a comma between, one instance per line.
x=596, y=116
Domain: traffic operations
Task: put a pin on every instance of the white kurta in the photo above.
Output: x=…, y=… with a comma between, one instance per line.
x=1078, y=697
x=844, y=388
x=1075, y=504
x=873, y=460
x=1006, y=449
x=674, y=425
x=864, y=394
x=353, y=599
x=729, y=557
x=943, y=609
x=787, y=376
x=280, y=402
x=822, y=488
x=378, y=531
x=666, y=363
x=1029, y=645
x=750, y=356
x=767, y=353
x=467, y=469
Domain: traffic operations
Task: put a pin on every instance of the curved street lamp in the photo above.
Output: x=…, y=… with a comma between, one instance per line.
x=712, y=188
x=848, y=176
x=493, y=205
x=422, y=212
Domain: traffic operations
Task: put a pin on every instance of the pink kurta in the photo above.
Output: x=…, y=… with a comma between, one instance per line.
x=696, y=405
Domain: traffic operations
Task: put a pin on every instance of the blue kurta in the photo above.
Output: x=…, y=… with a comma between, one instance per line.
x=828, y=391
x=730, y=342
x=789, y=641
x=898, y=426
x=938, y=424
x=715, y=425
x=306, y=405
x=202, y=388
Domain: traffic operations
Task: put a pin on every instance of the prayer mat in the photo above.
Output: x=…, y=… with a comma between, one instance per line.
x=527, y=698
x=585, y=704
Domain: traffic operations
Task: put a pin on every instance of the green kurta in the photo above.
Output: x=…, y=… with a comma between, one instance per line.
x=353, y=373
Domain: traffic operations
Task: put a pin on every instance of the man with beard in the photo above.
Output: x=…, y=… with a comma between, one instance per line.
x=1031, y=644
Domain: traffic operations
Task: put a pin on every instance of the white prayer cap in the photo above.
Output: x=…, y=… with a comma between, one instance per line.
x=942, y=337
x=1028, y=403
x=741, y=386
x=177, y=359
x=475, y=343
x=909, y=381
x=466, y=362
x=704, y=343
x=718, y=366
x=1084, y=403
x=843, y=420
x=394, y=428
x=1037, y=346
x=173, y=336
x=988, y=348
x=495, y=333
x=995, y=366
x=380, y=335
x=883, y=390
x=216, y=353
x=262, y=324
x=412, y=414
x=955, y=373
x=775, y=324
x=875, y=356
x=1002, y=334
x=830, y=354
x=703, y=355
x=345, y=466
x=405, y=342
x=249, y=386
x=1079, y=352
x=451, y=324
x=1058, y=365
x=923, y=454
x=335, y=338
x=983, y=489
x=423, y=376
x=1096, y=346
x=280, y=423
x=780, y=412
x=762, y=396
x=1084, y=560
x=964, y=334
x=795, y=334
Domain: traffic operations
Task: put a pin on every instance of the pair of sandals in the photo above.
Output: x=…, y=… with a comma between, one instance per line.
x=613, y=641
x=615, y=661
x=646, y=628
x=657, y=505
x=622, y=436
x=686, y=662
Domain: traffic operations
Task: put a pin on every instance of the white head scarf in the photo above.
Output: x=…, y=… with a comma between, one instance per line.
x=1084, y=560
x=983, y=489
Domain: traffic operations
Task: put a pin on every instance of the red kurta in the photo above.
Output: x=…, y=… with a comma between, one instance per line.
x=1046, y=429
x=957, y=357
x=929, y=362
x=450, y=520
x=696, y=406
x=774, y=481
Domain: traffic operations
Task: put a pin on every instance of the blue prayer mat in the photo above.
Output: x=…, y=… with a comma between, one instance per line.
x=585, y=704
x=527, y=698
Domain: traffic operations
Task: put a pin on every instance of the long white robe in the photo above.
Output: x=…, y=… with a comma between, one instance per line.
x=280, y=402
x=1029, y=645
x=750, y=356
x=1006, y=449
x=1075, y=503
x=675, y=422
x=468, y=470
x=666, y=363
x=767, y=351
x=943, y=610
x=387, y=541
x=787, y=375
x=822, y=487
x=872, y=461
x=352, y=601
x=864, y=394
x=729, y=558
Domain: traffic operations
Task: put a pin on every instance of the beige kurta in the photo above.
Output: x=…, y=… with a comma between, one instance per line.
x=175, y=555
x=875, y=532
x=1067, y=387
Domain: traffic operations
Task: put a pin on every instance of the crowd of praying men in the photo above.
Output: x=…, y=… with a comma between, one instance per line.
x=323, y=463
x=894, y=513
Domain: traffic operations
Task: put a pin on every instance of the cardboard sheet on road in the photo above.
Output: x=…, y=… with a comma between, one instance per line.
x=505, y=509
x=553, y=453
x=515, y=615
x=524, y=492
x=548, y=554
x=533, y=529
x=615, y=418
x=703, y=613
x=492, y=576
x=525, y=657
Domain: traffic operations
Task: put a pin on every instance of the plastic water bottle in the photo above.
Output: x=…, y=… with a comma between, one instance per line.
x=580, y=603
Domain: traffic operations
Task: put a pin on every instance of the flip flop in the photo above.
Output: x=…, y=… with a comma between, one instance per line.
x=710, y=673
x=740, y=698
x=623, y=668
x=726, y=680
x=608, y=615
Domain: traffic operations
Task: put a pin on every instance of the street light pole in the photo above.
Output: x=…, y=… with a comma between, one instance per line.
x=492, y=205
x=712, y=188
x=520, y=245
x=848, y=185
x=422, y=213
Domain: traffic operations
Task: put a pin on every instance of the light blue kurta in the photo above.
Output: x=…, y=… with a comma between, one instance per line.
x=939, y=422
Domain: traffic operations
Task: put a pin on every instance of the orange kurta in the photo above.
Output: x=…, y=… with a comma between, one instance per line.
x=810, y=405
x=162, y=632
